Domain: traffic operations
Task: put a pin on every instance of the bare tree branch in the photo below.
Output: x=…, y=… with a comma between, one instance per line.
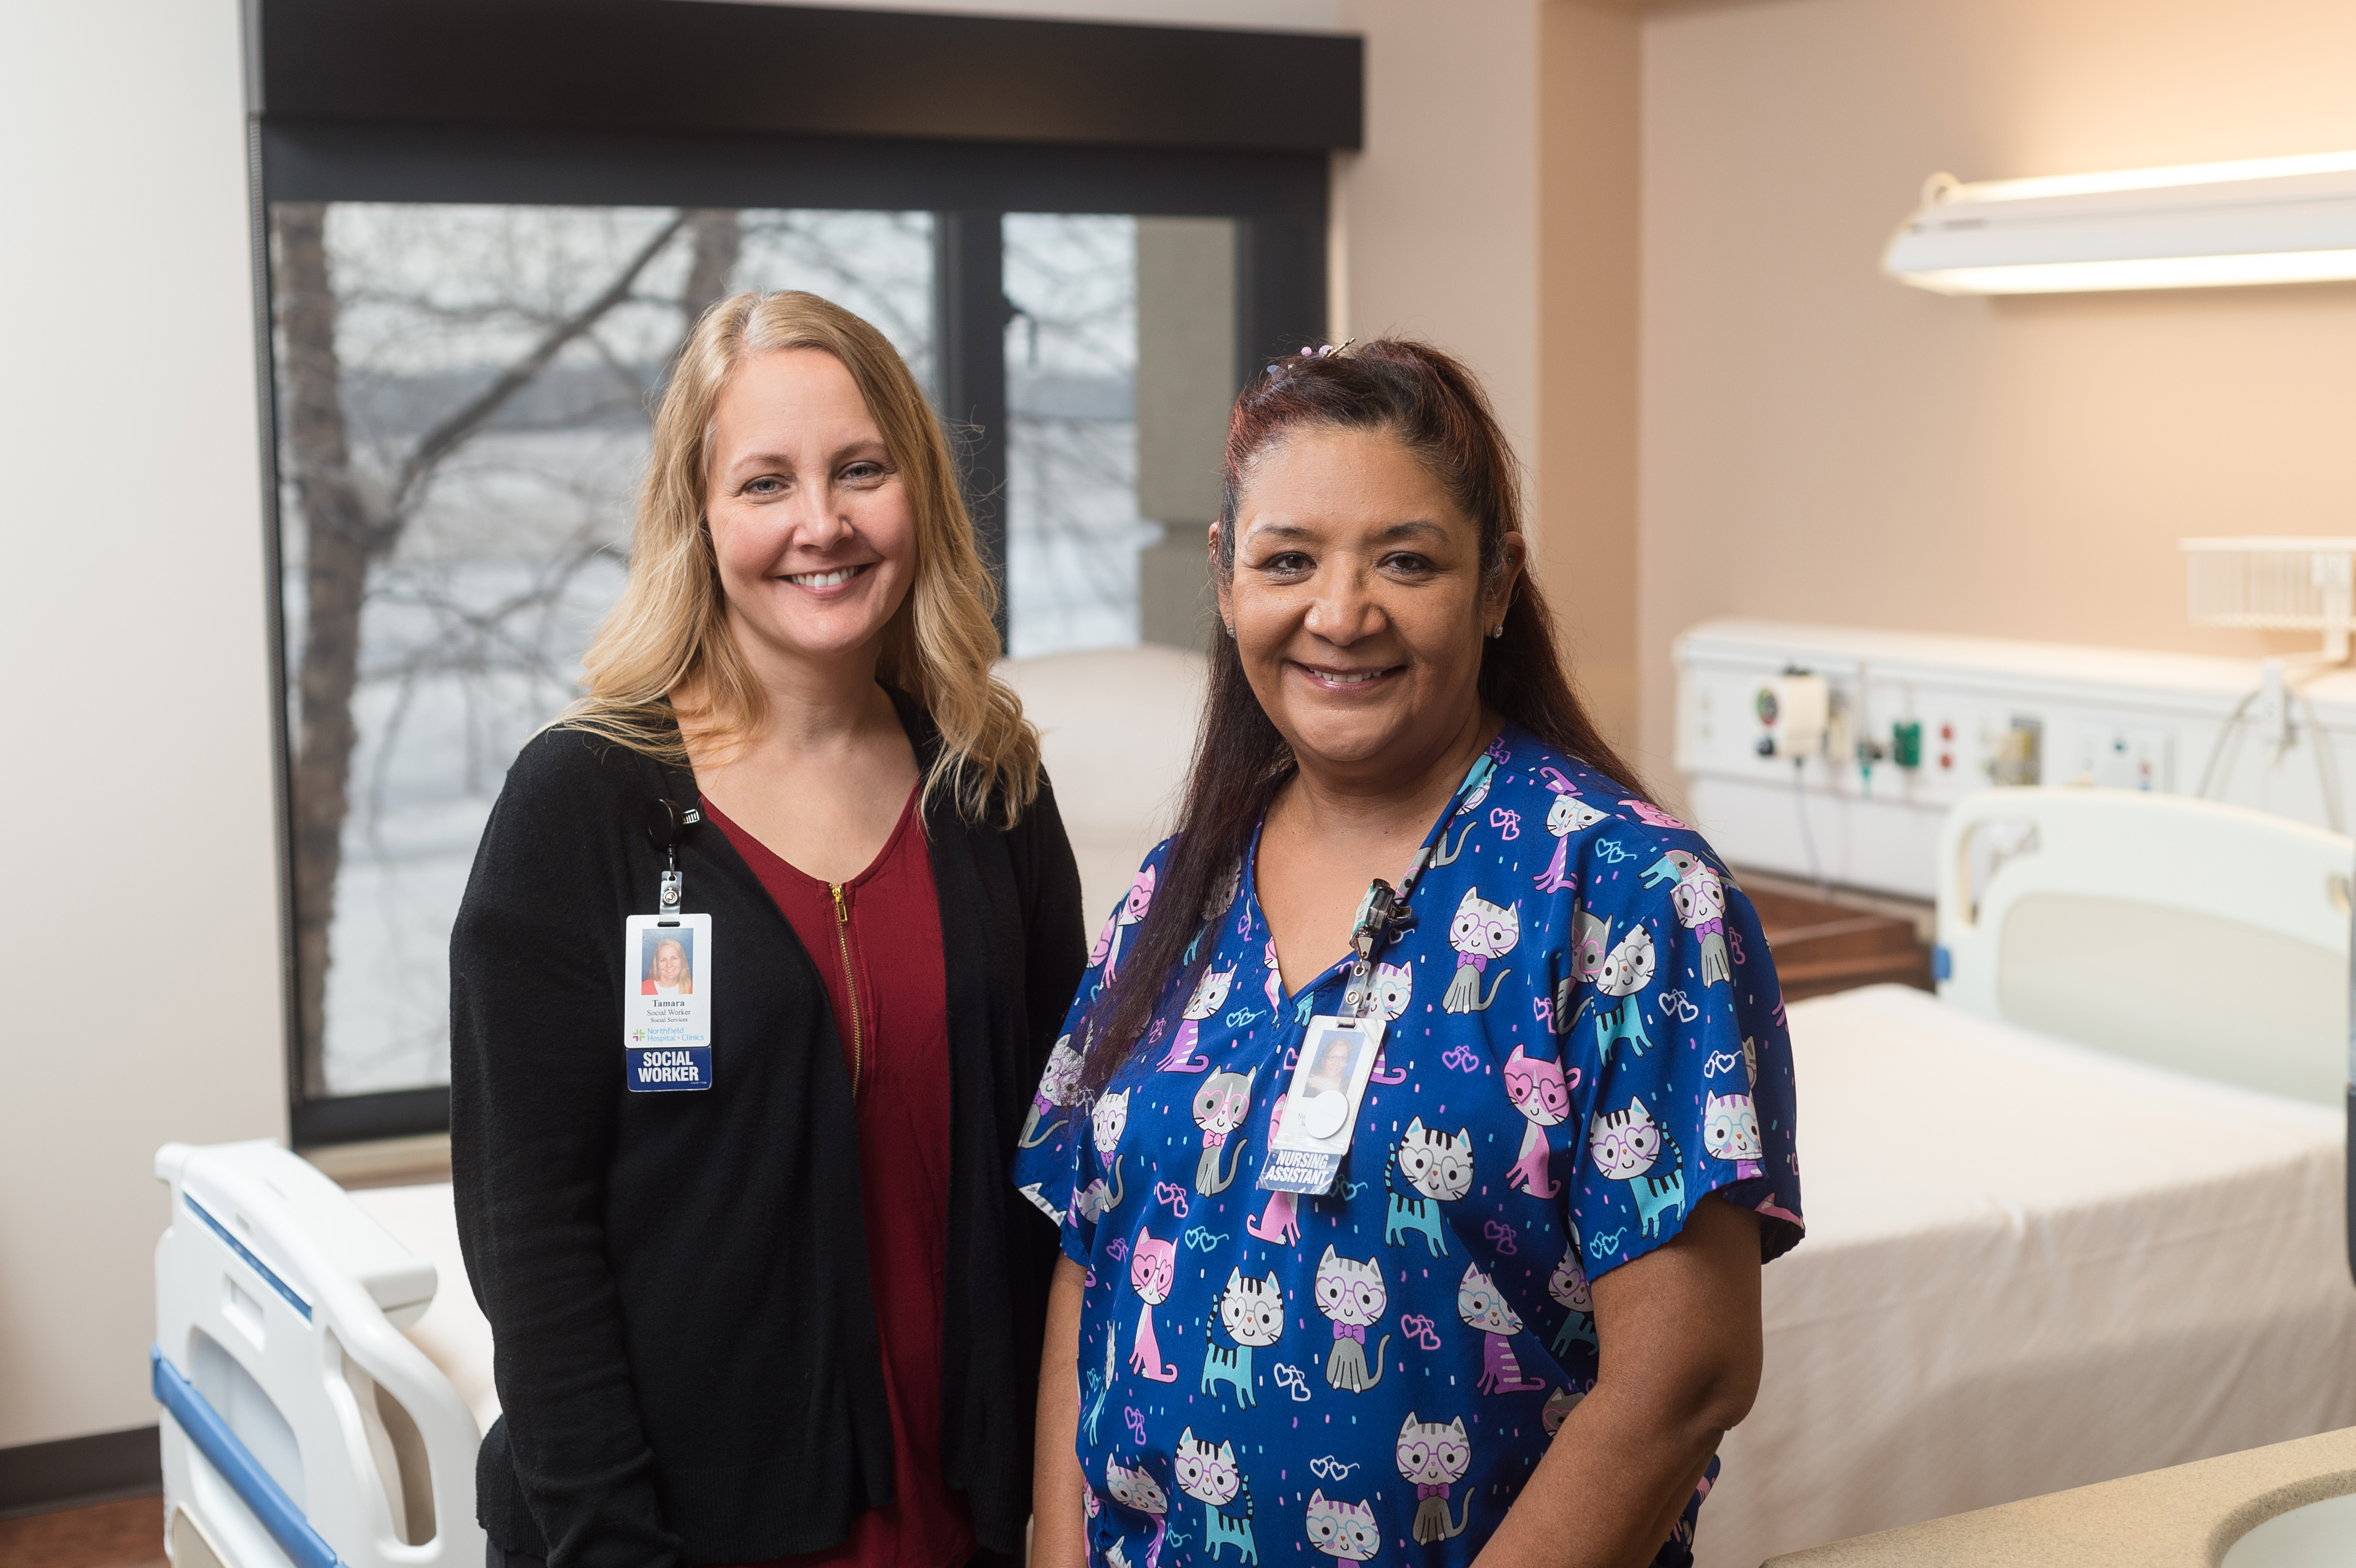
x=350, y=531
x=436, y=443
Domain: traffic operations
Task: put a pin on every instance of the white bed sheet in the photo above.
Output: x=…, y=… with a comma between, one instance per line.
x=2029, y=1266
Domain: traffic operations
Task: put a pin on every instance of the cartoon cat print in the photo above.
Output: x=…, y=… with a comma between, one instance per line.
x=1481, y=931
x=1626, y=1145
x=1343, y=1529
x=1654, y=816
x=1541, y=1091
x=1107, y=1120
x=1220, y=1106
x=1152, y=1268
x=1434, y=1457
x=1616, y=944
x=1131, y=911
x=1481, y=774
x=1591, y=944
x=1626, y=971
x=1208, y=1475
x=1059, y=1086
x=1730, y=1130
x=1393, y=993
x=1440, y=852
x=1104, y=1387
x=1567, y=1284
x=1437, y=1169
x=1209, y=996
x=1353, y=1295
x=1280, y=1223
x=1139, y=1490
x=1252, y=1312
x=1483, y=1307
x=1567, y=815
x=1699, y=896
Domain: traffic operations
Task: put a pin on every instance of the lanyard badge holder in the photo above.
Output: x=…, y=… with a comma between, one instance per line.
x=667, y=976
x=1307, y=1152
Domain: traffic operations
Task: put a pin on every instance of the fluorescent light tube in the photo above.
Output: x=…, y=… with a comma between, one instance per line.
x=2259, y=220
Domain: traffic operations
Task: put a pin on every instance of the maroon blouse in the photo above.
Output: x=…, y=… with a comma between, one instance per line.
x=876, y=939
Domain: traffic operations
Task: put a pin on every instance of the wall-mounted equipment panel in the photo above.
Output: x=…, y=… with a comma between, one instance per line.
x=1894, y=728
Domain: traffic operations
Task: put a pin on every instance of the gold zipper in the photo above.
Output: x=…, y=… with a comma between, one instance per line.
x=849, y=980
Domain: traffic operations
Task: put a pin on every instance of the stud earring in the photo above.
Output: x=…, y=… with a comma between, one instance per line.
x=1498, y=630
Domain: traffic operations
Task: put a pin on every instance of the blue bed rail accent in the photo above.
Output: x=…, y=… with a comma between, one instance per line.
x=269, y=1275
x=237, y=1464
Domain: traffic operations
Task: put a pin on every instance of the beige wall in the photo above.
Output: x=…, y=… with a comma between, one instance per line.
x=1589, y=118
x=1822, y=443
x=141, y=922
x=1494, y=212
x=1438, y=216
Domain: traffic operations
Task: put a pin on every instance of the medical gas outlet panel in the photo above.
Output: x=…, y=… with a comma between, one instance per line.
x=1831, y=753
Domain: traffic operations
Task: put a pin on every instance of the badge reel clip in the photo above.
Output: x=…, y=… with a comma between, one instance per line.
x=667, y=969
x=1308, y=1150
x=666, y=820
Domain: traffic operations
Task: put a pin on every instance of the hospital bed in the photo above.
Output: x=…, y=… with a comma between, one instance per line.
x=2045, y=1246
x=310, y=1366
x=2082, y=1215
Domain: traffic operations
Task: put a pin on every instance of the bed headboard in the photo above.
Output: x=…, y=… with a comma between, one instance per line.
x=2198, y=936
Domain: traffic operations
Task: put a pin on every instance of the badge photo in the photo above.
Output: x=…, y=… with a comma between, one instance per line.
x=1321, y=1105
x=667, y=1002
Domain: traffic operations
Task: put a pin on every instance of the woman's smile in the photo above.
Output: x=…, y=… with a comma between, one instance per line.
x=828, y=583
x=1343, y=681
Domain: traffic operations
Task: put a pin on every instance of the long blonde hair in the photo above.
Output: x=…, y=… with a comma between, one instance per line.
x=669, y=631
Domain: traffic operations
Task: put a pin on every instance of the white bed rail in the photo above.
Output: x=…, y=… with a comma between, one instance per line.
x=2186, y=933
x=303, y=1427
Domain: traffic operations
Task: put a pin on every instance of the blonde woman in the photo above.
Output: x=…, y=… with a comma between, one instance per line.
x=667, y=973
x=775, y=1301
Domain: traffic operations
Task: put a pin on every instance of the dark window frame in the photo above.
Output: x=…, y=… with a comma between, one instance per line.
x=969, y=118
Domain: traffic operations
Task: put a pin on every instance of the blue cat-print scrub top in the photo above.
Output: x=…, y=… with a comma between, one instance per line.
x=1585, y=1037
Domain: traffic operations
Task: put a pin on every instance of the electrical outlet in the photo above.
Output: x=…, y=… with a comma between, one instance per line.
x=2119, y=756
x=2016, y=753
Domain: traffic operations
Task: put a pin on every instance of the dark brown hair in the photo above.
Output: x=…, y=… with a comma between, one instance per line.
x=1435, y=408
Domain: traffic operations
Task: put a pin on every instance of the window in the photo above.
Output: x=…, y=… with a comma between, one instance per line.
x=478, y=272
x=462, y=401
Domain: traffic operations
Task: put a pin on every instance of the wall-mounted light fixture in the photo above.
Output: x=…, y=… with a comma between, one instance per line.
x=2260, y=220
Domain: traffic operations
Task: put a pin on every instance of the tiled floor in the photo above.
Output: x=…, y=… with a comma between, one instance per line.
x=126, y=1534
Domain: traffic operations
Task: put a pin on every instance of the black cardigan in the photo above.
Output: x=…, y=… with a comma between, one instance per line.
x=677, y=1283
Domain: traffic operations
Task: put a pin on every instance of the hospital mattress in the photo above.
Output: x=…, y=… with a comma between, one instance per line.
x=454, y=1333
x=2029, y=1266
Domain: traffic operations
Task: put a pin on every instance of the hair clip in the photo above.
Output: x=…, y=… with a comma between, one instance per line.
x=1308, y=351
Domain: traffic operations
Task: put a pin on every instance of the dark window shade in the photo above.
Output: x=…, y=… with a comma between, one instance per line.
x=694, y=65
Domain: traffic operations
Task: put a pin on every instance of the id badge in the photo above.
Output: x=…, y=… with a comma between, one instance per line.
x=1321, y=1105
x=667, y=1002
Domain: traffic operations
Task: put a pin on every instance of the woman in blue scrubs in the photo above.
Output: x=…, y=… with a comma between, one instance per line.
x=1520, y=1319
